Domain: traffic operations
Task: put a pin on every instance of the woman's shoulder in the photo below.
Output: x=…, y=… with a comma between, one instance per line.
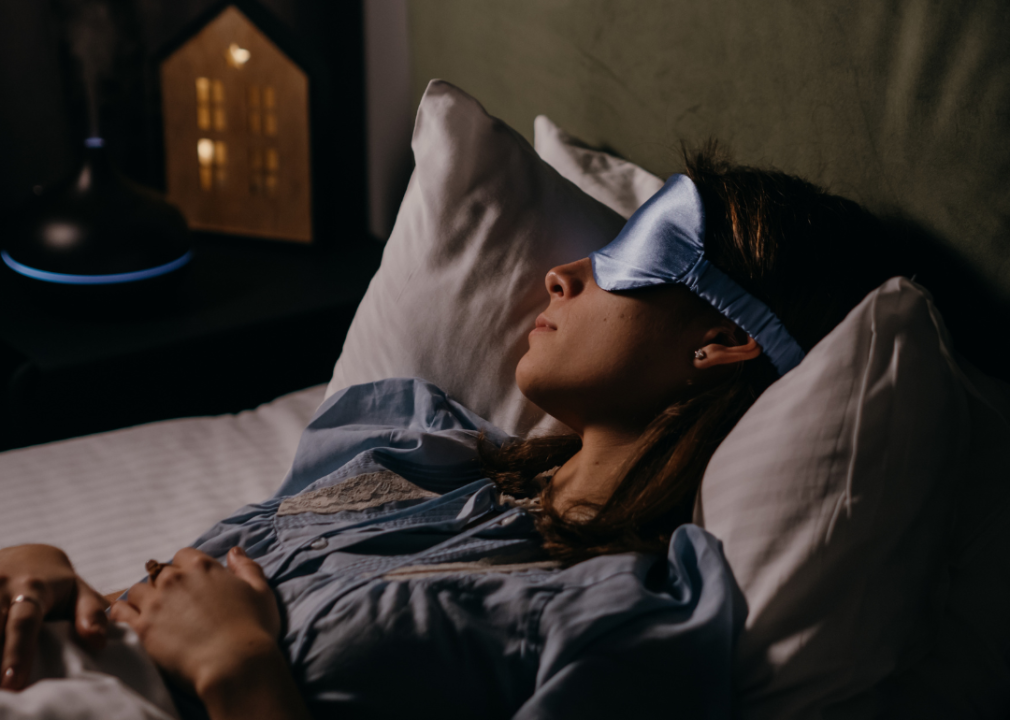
x=691, y=590
x=660, y=628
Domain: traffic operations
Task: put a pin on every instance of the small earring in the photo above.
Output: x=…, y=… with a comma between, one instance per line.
x=699, y=355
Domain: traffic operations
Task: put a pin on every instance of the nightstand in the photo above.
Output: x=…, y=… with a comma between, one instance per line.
x=246, y=324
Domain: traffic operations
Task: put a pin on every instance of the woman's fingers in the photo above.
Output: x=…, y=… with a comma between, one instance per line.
x=249, y=571
x=90, y=620
x=190, y=558
x=37, y=581
x=138, y=594
x=122, y=611
x=245, y=568
x=24, y=618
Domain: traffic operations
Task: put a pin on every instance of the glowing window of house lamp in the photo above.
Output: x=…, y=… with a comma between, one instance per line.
x=203, y=103
x=255, y=118
x=217, y=91
x=220, y=161
x=269, y=111
x=272, y=167
x=205, y=158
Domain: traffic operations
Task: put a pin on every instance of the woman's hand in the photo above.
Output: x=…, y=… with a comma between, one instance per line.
x=44, y=585
x=214, y=630
x=198, y=620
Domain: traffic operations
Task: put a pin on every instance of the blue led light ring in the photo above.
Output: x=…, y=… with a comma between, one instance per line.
x=111, y=279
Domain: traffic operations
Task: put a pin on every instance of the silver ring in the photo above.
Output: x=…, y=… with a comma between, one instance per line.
x=26, y=598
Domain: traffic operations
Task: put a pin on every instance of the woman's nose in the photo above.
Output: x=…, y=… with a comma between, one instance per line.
x=567, y=281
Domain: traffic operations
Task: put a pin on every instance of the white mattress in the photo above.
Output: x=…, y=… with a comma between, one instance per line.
x=116, y=499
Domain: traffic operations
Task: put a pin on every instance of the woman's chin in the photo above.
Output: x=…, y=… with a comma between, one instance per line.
x=524, y=387
x=528, y=380
x=539, y=392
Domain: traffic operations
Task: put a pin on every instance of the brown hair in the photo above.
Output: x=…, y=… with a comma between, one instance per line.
x=810, y=256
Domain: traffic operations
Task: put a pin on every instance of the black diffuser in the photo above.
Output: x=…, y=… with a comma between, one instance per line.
x=97, y=234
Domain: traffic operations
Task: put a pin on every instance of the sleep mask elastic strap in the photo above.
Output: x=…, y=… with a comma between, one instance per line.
x=663, y=243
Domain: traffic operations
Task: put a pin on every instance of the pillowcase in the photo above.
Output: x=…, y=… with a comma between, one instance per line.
x=620, y=185
x=832, y=498
x=958, y=666
x=965, y=669
x=462, y=276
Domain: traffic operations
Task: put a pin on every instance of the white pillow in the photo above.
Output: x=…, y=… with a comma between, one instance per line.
x=964, y=671
x=832, y=498
x=620, y=185
x=462, y=276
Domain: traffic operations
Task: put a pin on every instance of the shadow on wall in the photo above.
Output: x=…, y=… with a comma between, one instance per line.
x=978, y=319
x=389, y=111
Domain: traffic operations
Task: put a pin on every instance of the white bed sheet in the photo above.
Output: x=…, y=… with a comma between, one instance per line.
x=116, y=499
x=69, y=683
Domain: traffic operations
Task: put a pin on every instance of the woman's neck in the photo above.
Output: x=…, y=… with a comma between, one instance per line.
x=592, y=474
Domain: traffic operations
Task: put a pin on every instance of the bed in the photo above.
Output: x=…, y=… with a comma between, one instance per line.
x=902, y=107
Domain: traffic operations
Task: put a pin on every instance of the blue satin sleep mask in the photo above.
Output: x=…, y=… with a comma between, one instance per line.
x=663, y=243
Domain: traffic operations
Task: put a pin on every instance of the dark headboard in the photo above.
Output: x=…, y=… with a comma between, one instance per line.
x=902, y=106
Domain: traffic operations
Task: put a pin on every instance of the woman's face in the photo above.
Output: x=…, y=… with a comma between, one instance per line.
x=611, y=357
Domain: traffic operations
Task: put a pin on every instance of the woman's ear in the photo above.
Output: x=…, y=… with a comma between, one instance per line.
x=725, y=346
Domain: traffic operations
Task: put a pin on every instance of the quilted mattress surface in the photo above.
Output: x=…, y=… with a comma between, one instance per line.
x=116, y=499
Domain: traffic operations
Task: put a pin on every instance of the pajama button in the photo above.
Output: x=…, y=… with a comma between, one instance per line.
x=318, y=543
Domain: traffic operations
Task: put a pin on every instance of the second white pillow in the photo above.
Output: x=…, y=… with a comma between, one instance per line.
x=832, y=497
x=620, y=185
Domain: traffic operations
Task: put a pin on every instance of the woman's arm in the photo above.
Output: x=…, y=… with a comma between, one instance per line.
x=37, y=582
x=214, y=630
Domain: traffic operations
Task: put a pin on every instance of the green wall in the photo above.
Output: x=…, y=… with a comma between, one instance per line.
x=904, y=106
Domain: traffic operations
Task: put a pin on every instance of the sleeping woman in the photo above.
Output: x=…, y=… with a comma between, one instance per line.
x=419, y=561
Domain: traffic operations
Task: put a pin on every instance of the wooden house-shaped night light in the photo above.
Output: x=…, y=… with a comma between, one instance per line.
x=236, y=118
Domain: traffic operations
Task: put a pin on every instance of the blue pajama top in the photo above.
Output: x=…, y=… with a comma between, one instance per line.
x=409, y=587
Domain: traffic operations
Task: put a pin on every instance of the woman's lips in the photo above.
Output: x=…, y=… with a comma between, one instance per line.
x=543, y=325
